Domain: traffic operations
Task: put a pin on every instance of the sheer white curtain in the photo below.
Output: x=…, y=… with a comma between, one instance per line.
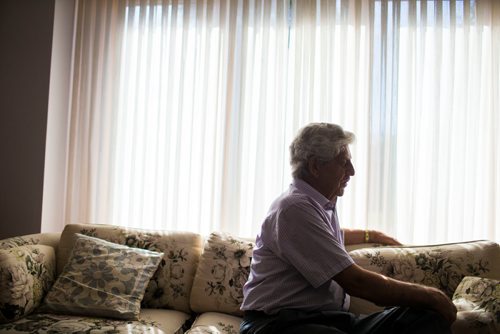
x=182, y=111
x=439, y=118
x=174, y=106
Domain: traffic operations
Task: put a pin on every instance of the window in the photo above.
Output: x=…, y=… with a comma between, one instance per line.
x=182, y=112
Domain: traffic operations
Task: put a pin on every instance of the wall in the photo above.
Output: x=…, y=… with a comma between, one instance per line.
x=25, y=44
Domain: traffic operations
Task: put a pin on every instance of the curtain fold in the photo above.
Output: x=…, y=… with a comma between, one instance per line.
x=182, y=111
x=93, y=114
x=445, y=107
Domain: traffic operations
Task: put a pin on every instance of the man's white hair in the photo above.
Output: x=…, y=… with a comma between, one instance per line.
x=323, y=141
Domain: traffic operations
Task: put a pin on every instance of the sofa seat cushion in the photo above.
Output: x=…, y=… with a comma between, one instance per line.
x=152, y=321
x=26, y=274
x=440, y=266
x=170, y=286
x=102, y=279
x=169, y=321
x=215, y=323
x=478, y=303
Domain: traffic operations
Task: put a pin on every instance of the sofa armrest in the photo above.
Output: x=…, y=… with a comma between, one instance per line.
x=440, y=266
x=26, y=274
x=48, y=239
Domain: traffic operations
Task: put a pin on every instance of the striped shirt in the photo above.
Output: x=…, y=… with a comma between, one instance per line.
x=299, y=250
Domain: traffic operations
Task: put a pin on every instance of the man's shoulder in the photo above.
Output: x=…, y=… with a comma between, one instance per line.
x=292, y=200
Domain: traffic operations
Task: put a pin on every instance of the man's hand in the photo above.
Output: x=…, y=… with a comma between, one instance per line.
x=442, y=304
x=378, y=237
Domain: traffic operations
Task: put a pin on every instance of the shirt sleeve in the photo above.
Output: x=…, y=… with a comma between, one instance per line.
x=306, y=241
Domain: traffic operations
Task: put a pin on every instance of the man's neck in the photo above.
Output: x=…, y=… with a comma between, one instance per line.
x=313, y=183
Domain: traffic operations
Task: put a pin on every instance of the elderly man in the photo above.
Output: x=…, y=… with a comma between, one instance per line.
x=301, y=275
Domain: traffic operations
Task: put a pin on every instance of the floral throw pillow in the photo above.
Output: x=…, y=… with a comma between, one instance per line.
x=223, y=270
x=26, y=273
x=478, y=303
x=170, y=286
x=102, y=279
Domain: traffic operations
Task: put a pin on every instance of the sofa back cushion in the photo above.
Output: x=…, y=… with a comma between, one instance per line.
x=440, y=266
x=26, y=274
x=170, y=286
x=223, y=270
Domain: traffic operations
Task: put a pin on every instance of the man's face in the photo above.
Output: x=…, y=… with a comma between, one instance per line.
x=334, y=175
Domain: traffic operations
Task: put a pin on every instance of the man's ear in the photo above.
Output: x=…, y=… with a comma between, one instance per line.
x=312, y=167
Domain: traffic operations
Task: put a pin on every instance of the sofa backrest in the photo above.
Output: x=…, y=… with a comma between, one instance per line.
x=171, y=285
x=440, y=266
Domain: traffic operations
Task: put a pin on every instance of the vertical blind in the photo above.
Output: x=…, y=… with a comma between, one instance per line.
x=182, y=111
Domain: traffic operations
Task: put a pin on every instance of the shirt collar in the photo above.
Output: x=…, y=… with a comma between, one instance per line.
x=306, y=188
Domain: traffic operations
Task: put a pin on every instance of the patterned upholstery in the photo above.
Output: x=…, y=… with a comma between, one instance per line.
x=102, y=278
x=439, y=266
x=223, y=270
x=26, y=274
x=478, y=303
x=170, y=286
x=211, y=283
x=215, y=323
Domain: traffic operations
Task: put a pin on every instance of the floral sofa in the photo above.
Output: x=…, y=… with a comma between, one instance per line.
x=106, y=279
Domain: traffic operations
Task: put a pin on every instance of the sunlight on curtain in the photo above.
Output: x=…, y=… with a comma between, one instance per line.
x=188, y=144
x=444, y=119
x=171, y=126
x=95, y=74
x=182, y=112
x=328, y=81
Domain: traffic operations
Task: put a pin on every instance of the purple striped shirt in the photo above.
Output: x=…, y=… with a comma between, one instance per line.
x=298, y=251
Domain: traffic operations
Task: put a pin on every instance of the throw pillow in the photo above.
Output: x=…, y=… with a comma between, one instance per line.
x=26, y=273
x=223, y=270
x=171, y=284
x=102, y=279
x=478, y=303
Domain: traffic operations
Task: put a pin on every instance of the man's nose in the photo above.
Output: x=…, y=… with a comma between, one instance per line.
x=350, y=169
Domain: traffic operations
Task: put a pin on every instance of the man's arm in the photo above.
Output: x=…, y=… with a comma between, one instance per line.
x=352, y=237
x=386, y=291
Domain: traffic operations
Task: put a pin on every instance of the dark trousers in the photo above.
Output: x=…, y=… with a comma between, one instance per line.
x=392, y=320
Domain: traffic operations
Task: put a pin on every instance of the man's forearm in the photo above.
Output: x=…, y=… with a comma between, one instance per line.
x=385, y=291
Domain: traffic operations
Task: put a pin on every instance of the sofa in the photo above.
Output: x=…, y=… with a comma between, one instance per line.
x=109, y=279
